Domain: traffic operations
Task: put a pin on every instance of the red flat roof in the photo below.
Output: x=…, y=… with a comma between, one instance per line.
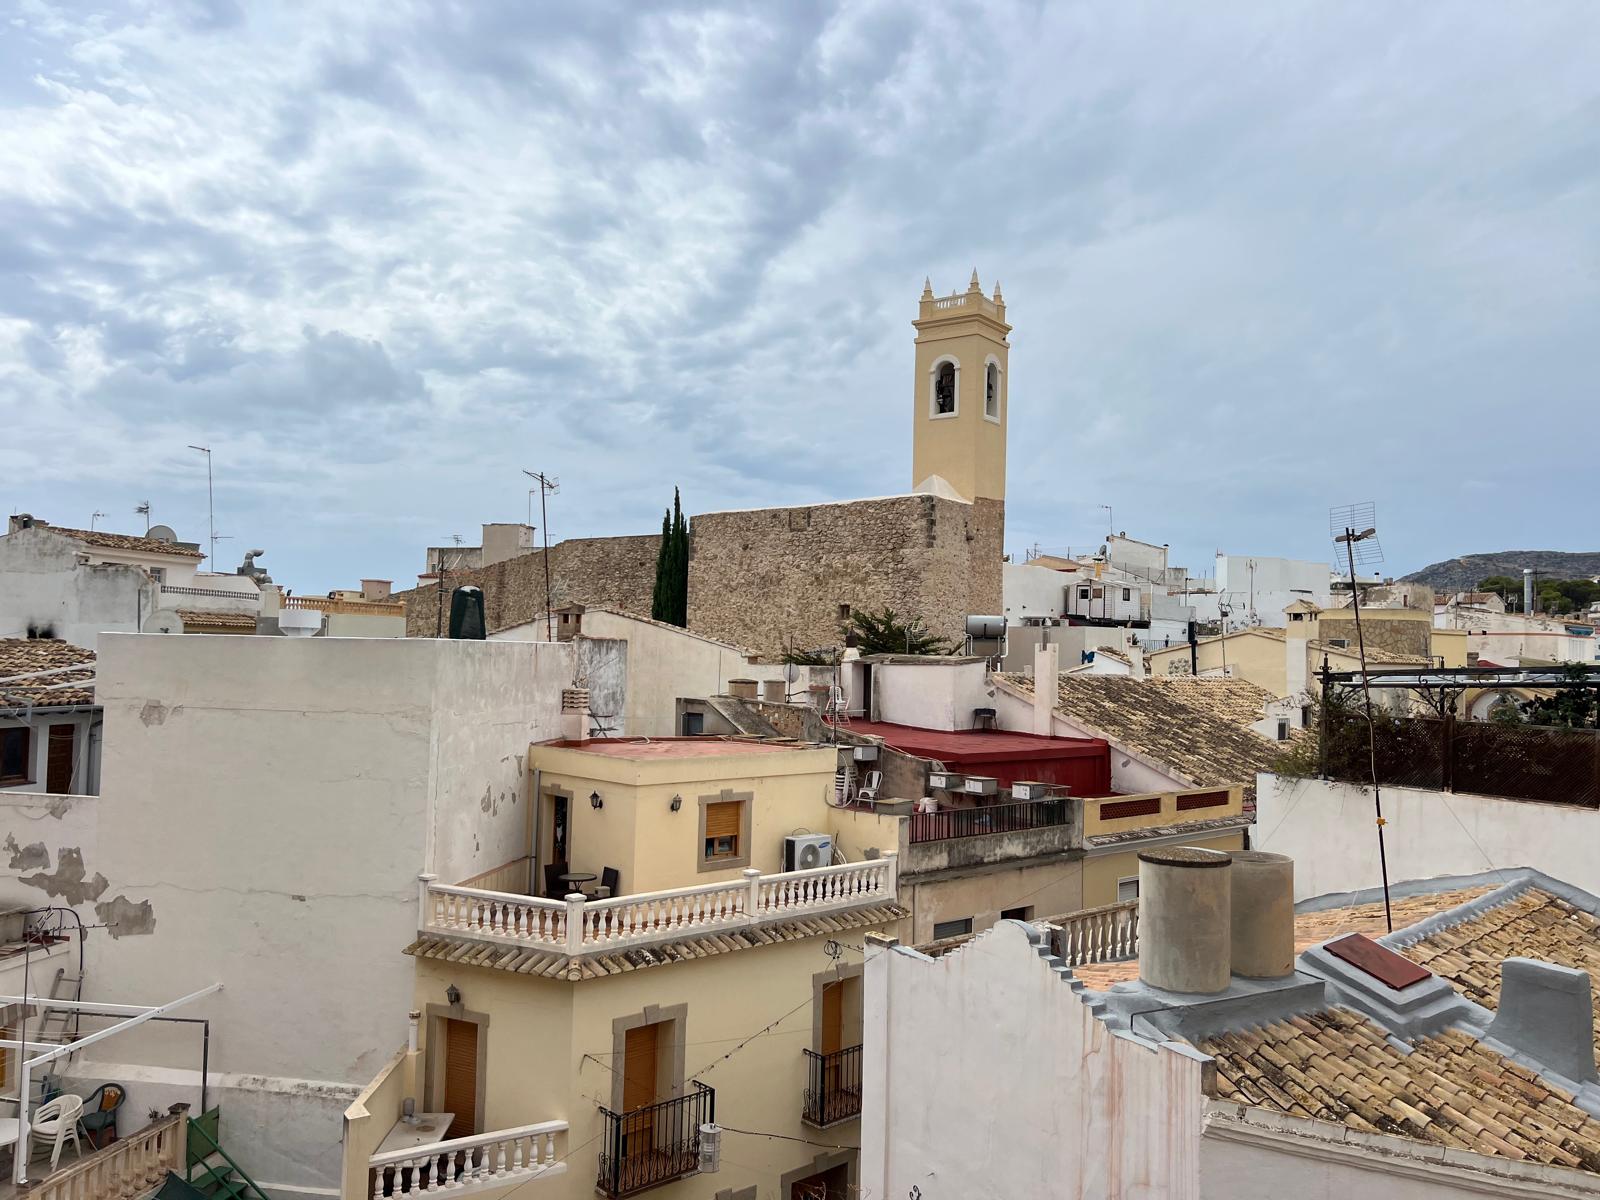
x=955, y=746
x=676, y=747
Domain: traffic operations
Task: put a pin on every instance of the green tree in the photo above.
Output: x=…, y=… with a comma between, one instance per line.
x=1505, y=711
x=885, y=632
x=1507, y=588
x=669, y=601
x=1573, y=707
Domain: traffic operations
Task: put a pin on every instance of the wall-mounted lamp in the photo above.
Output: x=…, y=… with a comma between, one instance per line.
x=677, y=803
x=453, y=994
x=595, y=801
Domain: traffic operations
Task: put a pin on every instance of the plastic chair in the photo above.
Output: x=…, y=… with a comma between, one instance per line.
x=56, y=1123
x=99, y=1120
x=868, y=791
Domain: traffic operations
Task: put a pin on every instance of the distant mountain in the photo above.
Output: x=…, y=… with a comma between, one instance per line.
x=1462, y=574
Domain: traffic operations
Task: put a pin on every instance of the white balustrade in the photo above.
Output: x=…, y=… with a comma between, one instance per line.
x=471, y=1163
x=128, y=1168
x=1096, y=935
x=579, y=926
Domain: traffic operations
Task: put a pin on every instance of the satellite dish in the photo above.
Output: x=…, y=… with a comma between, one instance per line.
x=162, y=533
x=164, y=620
x=299, y=622
x=791, y=672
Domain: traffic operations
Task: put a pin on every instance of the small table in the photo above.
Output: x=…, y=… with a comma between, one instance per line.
x=10, y=1127
x=429, y=1128
x=574, y=879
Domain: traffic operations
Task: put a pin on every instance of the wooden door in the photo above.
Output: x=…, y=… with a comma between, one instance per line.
x=58, y=762
x=833, y=1017
x=461, y=1076
x=640, y=1056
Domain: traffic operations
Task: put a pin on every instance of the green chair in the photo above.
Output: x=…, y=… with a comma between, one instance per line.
x=99, y=1120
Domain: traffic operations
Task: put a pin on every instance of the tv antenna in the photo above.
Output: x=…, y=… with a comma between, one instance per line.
x=1355, y=527
x=211, y=502
x=144, y=511
x=549, y=485
x=93, y=517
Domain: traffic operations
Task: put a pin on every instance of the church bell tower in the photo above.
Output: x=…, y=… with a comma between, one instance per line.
x=960, y=399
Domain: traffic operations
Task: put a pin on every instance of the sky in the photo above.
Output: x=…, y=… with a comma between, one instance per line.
x=1261, y=259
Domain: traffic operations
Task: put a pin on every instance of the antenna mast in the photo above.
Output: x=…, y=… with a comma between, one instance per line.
x=548, y=486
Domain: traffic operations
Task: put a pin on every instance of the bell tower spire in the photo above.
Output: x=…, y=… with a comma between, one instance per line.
x=959, y=397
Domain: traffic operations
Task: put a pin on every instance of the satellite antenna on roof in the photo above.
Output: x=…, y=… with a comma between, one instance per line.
x=1355, y=527
x=161, y=533
x=163, y=620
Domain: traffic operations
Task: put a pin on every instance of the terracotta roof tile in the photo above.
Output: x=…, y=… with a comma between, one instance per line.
x=228, y=620
x=122, y=541
x=23, y=656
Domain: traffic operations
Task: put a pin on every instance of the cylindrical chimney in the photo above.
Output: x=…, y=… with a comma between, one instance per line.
x=1185, y=919
x=1527, y=589
x=1263, y=914
x=774, y=691
x=742, y=689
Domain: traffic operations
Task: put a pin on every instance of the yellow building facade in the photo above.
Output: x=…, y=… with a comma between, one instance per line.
x=960, y=398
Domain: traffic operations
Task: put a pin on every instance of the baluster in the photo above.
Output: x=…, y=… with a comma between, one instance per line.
x=499, y=1152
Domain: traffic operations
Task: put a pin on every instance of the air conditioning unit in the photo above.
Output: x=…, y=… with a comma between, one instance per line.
x=981, y=785
x=802, y=852
x=865, y=754
x=1032, y=790
x=949, y=781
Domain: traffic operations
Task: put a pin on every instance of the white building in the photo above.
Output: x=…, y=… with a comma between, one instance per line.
x=265, y=805
x=1256, y=589
x=1224, y=1066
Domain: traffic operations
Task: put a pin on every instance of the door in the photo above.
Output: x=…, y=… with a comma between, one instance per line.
x=640, y=1060
x=58, y=763
x=461, y=1076
x=832, y=1017
x=560, y=829
x=832, y=1184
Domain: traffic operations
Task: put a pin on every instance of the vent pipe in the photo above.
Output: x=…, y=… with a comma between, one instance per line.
x=1185, y=919
x=1262, y=927
x=1527, y=589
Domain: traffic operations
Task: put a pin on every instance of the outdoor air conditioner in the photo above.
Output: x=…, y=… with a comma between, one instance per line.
x=1033, y=790
x=865, y=754
x=981, y=785
x=802, y=852
x=949, y=781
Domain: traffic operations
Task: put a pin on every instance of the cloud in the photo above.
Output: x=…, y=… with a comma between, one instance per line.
x=1261, y=259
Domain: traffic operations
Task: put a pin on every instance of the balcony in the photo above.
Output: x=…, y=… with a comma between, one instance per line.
x=1113, y=818
x=1017, y=817
x=472, y=1164
x=578, y=927
x=833, y=1087
x=655, y=1144
x=955, y=838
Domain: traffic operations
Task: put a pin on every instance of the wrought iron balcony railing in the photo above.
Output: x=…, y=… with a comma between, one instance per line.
x=655, y=1144
x=833, y=1086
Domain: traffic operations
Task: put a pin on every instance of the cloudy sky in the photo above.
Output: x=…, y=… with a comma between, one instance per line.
x=1261, y=259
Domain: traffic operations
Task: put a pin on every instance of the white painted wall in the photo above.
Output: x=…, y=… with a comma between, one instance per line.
x=1043, y=1103
x=272, y=800
x=1328, y=828
x=931, y=694
x=42, y=583
x=1264, y=587
x=1032, y=591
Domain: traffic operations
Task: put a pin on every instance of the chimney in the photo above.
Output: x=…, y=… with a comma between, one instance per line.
x=1185, y=919
x=1136, y=663
x=742, y=689
x=774, y=691
x=1527, y=589
x=1046, y=669
x=23, y=521
x=1547, y=1012
x=376, y=589
x=1262, y=926
x=574, y=714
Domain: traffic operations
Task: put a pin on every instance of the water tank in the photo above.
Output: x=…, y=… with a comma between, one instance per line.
x=986, y=629
x=1263, y=914
x=1185, y=919
x=466, y=614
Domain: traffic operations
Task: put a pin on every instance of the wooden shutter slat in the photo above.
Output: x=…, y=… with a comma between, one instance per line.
x=724, y=819
x=461, y=1076
x=58, y=762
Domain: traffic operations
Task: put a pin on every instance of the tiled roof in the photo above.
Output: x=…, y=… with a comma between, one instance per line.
x=123, y=541
x=1197, y=727
x=556, y=965
x=1533, y=924
x=1450, y=1089
x=22, y=656
x=1312, y=928
x=229, y=620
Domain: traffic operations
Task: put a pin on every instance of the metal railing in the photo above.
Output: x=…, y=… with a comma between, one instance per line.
x=833, y=1086
x=655, y=1144
x=1016, y=817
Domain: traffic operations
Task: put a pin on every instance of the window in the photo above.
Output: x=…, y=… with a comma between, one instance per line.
x=1024, y=913
x=1127, y=889
x=1283, y=730
x=725, y=830
x=1343, y=643
x=844, y=612
x=159, y=574
x=950, y=929
x=991, y=392
x=1083, y=593
x=1127, y=594
x=15, y=744
x=694, y=724
x=944, y=390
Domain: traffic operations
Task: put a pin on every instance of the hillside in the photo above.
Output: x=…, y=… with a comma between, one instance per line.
x=1462, y=574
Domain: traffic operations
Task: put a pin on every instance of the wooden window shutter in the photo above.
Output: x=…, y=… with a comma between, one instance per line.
x=723, y=820
x=58, y=762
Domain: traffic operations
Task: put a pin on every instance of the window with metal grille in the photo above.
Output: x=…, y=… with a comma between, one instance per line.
x=949, y=929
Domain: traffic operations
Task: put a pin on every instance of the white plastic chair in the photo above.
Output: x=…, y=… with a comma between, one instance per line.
x=869, y=790
x=56, y=1123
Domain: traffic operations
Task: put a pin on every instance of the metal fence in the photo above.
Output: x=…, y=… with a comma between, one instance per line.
x=1015, y=817
x=1524, y=762
x=833, y=1086
x=654, y=1144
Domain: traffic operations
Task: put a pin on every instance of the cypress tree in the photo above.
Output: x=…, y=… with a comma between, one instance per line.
x=669, y=601
x=661, y=602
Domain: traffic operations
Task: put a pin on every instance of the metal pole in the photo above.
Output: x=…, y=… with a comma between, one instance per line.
x=211, y=504
x=1372, y=728
x=544, y=520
